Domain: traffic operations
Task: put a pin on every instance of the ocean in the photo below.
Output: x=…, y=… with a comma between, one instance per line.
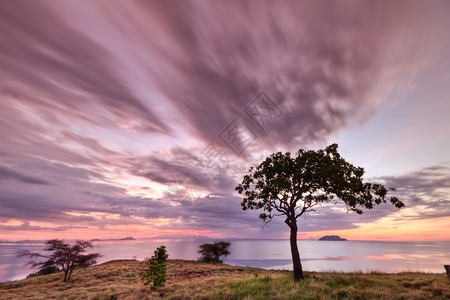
x=349, y=256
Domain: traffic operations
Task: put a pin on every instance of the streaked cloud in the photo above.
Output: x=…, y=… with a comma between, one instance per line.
x=105, y=105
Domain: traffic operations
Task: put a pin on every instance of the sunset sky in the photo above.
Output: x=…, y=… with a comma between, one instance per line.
x=106, y=105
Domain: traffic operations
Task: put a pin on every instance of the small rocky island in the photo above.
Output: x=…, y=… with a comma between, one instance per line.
x=332, y=238
x=128, y=238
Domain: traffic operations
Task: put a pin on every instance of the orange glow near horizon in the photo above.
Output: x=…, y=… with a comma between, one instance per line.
x=49, y=231
x=390, y=230
x=387, y=229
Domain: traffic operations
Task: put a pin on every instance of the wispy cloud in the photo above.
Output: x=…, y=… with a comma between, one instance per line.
x=426, y=192
x=7, y=173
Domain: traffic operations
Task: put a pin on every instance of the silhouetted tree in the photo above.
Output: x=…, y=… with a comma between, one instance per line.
x=292, y=186
x=63, y=256
x=213, y=252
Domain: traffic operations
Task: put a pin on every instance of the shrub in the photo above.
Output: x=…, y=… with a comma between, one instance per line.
x=45, y=271
x=157, y=269
x=213, y=252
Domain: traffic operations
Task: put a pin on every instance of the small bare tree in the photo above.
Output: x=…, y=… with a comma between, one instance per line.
x=63, y=255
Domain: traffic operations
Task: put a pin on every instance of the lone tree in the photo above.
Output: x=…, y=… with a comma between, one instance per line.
x=292, y=186
x=157, y=268
x=213, y=252
x=63, y=256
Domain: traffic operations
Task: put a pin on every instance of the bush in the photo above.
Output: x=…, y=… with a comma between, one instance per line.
x=45, y=271
x=157, y=269
x=213, y=252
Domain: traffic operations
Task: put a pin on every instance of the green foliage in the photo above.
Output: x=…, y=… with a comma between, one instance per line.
x=284, y=185
x=157, y=269
x=63, y=256
x=328, y=286
x=213, y=252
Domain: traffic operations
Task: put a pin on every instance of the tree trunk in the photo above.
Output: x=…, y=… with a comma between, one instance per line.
x=65, y=275
x=70, y=274
x=298, y=271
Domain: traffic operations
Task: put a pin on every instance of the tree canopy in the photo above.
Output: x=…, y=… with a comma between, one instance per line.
x=157, y=268
x=291, y=186
x=213, y=252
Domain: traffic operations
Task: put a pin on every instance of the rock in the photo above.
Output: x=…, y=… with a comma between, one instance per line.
x=447, y=269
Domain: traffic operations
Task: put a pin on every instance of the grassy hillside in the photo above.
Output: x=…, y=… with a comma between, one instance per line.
x=122, y=279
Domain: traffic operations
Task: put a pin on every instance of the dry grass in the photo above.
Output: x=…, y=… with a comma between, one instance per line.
x=122, y=279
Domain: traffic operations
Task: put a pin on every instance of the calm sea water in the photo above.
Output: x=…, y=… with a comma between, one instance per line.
x=270, y=254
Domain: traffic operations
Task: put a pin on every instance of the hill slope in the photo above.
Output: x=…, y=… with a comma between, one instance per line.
x=122, y=279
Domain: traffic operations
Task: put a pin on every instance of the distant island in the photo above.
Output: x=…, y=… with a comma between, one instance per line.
x=332, y=238
x=129, y=238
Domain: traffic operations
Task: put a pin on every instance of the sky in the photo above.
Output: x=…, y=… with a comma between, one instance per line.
x=138, y=118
